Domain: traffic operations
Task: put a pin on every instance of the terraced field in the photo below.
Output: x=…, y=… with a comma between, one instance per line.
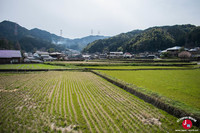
x=74, y=102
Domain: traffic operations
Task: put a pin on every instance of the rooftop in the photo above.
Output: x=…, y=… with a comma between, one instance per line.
x=174, y=48
x=55, y=53
x=10, y=53
x=42, y=53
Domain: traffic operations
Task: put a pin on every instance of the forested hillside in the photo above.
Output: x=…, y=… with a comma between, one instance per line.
x=151, y=40
x=14, y=36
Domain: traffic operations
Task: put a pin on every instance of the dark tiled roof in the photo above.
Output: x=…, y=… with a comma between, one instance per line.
x=10, y=53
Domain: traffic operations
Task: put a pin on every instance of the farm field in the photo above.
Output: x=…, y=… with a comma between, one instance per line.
x=73, y=65
x=30, y=66
x=119, y=63
x=82, y=62
x=179, y=86
x=135, y=67
x=74, y=102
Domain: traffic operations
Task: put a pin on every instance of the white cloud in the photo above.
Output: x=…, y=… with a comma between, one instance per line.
x=77, y=17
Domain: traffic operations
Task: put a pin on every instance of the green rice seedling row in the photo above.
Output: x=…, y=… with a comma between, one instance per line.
x=74, y=102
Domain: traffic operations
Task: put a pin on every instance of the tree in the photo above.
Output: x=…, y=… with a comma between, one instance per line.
x=50, y=50
x=181, y=49
x=184, y=55
x=165, y=55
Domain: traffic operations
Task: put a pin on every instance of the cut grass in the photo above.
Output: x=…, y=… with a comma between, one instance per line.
x=180, y=87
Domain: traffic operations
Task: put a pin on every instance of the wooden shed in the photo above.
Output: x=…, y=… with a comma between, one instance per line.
x=10, y=56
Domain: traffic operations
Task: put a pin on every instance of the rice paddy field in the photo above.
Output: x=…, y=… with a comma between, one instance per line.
x=135, y=67
x=30, y=66
x=84, y=62
x=76, y=102
x=182, y=87
x=109, y=63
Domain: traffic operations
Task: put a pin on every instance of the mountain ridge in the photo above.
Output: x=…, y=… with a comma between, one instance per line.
x=13, y=32
x=149, y=40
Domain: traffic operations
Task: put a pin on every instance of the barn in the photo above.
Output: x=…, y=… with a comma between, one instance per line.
x=10, y=56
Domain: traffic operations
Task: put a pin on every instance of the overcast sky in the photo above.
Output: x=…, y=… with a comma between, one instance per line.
x=76, y=18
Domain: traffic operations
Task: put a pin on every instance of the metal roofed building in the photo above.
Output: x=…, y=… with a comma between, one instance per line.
x=175, y=48
x=114, y=55
x=10, y=56
x=44, y=56
x=56, y=55
x=173, y=52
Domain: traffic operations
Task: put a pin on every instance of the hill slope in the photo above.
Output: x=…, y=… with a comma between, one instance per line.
x=151, y=40
x=29, y=40
x=80, y=43
x=14, y=36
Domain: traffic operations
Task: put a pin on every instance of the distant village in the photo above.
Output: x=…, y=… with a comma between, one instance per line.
x=15, y=56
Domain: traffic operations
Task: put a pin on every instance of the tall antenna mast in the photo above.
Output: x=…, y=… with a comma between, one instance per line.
x=16, y=33
x=61, y=40
x=61, y=32
x=15, y=30
x=92, y=32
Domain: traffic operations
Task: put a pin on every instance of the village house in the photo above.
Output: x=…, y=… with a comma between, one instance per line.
x=10, y=56
x=86, y=56
x=43, y=56
x=115, y=55
x=29, y=58
x=146, y=55
x=102, y=56
x=195, y=53
x=56, y=55
x=127, y=55
x=172, y=51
